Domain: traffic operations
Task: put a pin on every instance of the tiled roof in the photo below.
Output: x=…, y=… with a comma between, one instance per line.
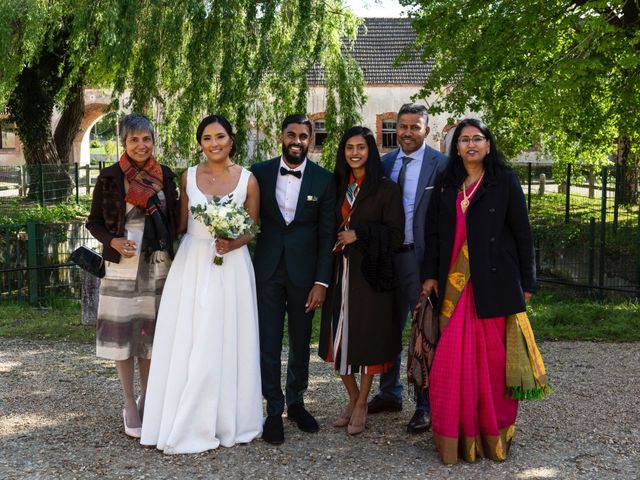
x=379, y=43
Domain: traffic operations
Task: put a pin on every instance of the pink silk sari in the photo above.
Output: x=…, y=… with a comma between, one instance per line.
x=471, y=414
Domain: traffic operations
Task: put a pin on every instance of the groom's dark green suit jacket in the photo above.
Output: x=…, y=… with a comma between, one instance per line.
x=307, y=241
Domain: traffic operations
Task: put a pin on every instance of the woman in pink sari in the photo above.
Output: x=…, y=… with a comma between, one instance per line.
x=479, y=260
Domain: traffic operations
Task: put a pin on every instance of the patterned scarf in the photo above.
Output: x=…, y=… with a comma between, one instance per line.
x=144, y=182
x=144, y=185
x=525, y=373
x=425, y=334
x=347, y=205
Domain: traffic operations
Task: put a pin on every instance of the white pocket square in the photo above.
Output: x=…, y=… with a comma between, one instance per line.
x=429, y=188
x=312, y=198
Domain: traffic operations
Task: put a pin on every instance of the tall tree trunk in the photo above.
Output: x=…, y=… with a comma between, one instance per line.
x=31, y=107
x=49, y=166
x=627, y=178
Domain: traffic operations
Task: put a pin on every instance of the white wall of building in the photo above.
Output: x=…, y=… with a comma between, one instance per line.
x=383, y=99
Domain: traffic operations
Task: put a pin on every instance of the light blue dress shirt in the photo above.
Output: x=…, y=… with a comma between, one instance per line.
x=412, y=174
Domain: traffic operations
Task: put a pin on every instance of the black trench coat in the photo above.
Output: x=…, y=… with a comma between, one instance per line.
x=501, y=254
x=373, y=337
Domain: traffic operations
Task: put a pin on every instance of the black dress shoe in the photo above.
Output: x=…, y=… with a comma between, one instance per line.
x=377, y=405
x=420, y=422
x=273, y=430
x=304, y=419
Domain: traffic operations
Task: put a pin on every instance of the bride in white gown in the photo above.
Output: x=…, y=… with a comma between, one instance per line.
x=204, y=383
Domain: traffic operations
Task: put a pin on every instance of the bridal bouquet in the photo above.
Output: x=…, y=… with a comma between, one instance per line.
x=225, y=219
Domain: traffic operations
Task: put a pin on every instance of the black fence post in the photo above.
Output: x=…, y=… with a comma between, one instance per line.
x=41, y=184
x=567, y=201
x=603, y=227
x=77, y=178
x=592, y=250
x=616, y=196
x=529, y=174
x=32, y=262
x=638, y=264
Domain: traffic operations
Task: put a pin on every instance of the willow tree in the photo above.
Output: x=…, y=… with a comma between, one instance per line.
x=176, y=61
x=562, y=73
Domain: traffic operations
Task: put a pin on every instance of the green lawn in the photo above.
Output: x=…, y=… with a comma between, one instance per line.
x=556, y=318
x=59, y=323
x=554, y=315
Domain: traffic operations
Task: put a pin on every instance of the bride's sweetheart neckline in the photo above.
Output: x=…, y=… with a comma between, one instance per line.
x=206, y=195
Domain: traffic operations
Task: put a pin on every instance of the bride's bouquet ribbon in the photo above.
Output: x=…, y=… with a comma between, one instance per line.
x=526, y=376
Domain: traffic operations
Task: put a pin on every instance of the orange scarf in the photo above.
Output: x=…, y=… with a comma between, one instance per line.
x=144, y=182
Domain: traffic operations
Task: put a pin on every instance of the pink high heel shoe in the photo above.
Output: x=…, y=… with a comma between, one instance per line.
x=132, y=432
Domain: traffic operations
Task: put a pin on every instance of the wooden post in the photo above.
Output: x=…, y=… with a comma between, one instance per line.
x=89, y=298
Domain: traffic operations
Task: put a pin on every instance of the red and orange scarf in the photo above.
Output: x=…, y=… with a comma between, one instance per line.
x=144, y=182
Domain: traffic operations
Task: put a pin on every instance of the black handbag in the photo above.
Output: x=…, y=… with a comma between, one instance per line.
x=89, y=260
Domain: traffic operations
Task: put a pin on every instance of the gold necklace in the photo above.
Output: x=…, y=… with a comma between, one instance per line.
x=464, y=204
x=226, y=169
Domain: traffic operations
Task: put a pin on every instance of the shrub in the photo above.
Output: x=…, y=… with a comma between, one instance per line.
x=109, y=149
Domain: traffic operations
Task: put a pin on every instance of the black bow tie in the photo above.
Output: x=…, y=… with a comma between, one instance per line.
x=295, y=173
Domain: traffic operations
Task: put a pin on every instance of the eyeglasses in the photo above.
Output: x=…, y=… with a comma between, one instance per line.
x=476, y=139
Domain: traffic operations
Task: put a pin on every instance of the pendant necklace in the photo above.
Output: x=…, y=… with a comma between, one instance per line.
x=226, y=169
x=464, y=204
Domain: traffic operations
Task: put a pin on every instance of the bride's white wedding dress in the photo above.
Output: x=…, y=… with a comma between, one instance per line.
x=204, y=384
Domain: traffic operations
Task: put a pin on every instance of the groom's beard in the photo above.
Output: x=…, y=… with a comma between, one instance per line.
x=294, y=158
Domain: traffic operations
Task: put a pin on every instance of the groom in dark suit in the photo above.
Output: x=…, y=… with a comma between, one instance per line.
x=414, y=167
x=293, y=267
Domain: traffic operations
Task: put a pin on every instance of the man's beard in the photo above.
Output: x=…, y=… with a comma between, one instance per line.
x=294, y=159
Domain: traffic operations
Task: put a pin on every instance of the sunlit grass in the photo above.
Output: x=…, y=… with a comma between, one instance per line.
x=554, y=314
x=59, y=323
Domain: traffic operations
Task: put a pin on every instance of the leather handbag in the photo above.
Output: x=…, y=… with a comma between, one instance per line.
x=425, y=333
x=89, y=260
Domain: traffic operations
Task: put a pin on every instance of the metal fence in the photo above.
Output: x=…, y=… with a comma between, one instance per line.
x=586, y=225
x=34, y=261
x=48, y=184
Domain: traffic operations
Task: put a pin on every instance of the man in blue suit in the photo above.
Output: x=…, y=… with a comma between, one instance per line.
x=293, y=265
x=414, y=167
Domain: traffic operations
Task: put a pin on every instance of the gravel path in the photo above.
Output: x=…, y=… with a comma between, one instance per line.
x=60, y=418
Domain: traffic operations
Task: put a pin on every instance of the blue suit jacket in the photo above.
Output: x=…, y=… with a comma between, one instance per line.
x=433, y=163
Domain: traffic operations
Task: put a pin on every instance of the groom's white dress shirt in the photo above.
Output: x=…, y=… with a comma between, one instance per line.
x=288, y=190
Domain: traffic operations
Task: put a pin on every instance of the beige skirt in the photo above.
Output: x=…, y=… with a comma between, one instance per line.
x=129, y=299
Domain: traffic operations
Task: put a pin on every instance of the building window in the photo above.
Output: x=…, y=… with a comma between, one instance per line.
x=389, y=136
x=320, y=133
x=7, y=136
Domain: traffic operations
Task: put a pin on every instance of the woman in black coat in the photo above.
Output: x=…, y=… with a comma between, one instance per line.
x=357, y=332
x=134, y=215
x=479, y=260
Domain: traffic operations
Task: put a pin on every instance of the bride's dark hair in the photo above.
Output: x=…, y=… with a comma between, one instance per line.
x=225, y=124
